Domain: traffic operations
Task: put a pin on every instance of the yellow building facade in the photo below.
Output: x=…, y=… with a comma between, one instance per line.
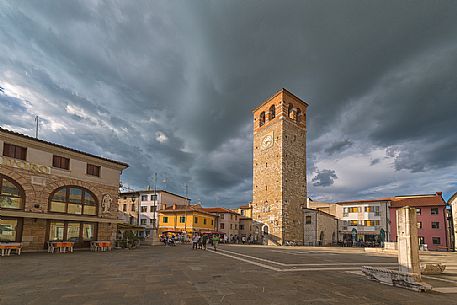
x=186, y=218
x=245, y=210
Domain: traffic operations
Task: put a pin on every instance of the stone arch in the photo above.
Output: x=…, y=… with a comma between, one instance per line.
x=290, y=110
x=84, y=191
x=24, y=182
x=272, y=112
x=321, y=238
x=299, y=115
x=51, y=187
x=262, y=119
x=57, y=184
x=9, y=196
x=265, y=230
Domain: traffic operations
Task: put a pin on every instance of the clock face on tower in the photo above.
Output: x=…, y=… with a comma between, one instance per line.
x=267, y=142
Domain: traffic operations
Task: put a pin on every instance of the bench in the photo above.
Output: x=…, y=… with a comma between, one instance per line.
x=6, y=248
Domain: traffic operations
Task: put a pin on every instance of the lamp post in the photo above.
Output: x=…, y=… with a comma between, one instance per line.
x=154, y=209
x=185, y=210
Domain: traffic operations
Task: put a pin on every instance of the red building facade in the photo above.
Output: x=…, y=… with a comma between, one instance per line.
x=431, y=219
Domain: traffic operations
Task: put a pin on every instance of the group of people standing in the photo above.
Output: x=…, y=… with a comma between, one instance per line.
x=171, y=240
x=236, y=239
x=201, y=241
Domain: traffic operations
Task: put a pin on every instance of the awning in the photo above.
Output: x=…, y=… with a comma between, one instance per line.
x=212, y=232
x=126, y=226
x=173, y=231
x=53, y=216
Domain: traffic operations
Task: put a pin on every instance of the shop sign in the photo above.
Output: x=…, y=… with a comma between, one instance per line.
x=42, y=169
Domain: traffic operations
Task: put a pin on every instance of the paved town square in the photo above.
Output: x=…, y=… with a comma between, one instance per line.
x=233, y=275
x=228, y=152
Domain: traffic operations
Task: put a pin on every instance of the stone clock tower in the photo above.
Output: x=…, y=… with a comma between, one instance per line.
x=279, y=169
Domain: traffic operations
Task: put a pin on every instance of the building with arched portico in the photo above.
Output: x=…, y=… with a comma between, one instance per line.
x=52, y=192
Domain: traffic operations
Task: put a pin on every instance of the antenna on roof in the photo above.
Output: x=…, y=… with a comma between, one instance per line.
x=37, y=120
x=165, y=181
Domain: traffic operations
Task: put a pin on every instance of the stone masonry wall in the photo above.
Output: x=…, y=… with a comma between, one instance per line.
x=267, y=173
x=328, y=225
x=106, y=231
x=34, y=234
x=310, y=235
x=321, y=231
x=37, y=195
x=279, y=169
x=294, y=180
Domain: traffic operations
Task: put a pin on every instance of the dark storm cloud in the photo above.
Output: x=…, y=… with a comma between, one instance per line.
x=169, y=86
x=426, y=156
x=324, y=178
x=338, y=146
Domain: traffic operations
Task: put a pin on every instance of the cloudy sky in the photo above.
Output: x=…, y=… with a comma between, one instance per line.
x=168, y=87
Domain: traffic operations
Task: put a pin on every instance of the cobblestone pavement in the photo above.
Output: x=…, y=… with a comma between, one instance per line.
x=234, y=275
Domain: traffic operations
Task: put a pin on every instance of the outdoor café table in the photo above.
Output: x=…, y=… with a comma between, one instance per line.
x=61, y=245
x=7, y=247
x=101, y=245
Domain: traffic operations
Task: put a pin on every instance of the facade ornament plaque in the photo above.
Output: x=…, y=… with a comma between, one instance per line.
x=106, y=203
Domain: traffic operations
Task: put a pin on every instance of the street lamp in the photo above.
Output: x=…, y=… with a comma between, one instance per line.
x=185, y=211
x=154, y=210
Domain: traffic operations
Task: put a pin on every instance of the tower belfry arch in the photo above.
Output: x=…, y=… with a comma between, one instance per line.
x=279, y=167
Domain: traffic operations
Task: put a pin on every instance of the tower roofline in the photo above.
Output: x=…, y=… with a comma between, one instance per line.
x=282, y=90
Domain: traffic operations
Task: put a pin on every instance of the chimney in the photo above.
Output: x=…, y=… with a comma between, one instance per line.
x=439, y=194
x=174, y=206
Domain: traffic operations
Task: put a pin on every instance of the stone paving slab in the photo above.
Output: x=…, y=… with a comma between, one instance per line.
x=179, y=275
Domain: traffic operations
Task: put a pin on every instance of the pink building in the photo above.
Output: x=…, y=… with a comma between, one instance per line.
x=431, y=219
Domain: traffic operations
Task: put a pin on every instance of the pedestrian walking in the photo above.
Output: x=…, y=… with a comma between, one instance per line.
x=199, y=243
x=204, y=241
x=215, y=241
x=195, y=242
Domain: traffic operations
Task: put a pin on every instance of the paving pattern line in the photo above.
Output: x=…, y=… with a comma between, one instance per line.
x=221, y=252
x=246, y=261
x=445, y=289
x=300, y=253
x=439, y=279
x=257, y=258
x=309, y=264
x=321, y=269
